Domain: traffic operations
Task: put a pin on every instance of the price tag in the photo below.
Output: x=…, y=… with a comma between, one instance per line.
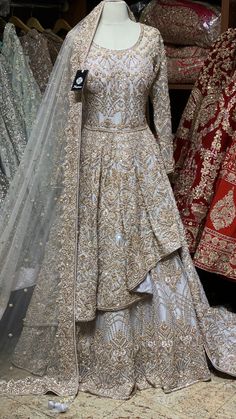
x=79, y=81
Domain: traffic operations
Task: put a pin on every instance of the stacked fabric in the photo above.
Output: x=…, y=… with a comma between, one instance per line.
x=188, y=28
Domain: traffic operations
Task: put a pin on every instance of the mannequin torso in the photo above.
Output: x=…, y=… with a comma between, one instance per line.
x=116, y=30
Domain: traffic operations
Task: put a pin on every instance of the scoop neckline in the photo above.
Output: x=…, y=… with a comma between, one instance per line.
x=123, y=49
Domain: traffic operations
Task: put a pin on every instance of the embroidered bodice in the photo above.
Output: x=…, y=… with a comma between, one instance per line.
x=119, y=83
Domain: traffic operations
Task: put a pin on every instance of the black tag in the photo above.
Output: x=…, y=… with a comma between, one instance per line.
x=79, y=80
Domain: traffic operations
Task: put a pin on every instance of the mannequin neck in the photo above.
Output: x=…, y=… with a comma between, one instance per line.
x=114, y=12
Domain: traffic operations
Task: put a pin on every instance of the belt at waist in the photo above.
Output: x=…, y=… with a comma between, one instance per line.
x=116, y=129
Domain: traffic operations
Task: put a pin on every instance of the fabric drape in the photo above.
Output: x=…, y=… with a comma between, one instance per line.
x=204, y=183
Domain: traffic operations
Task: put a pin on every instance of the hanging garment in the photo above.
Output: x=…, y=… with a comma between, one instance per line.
x=204, y=145
x=19, y=96
x=117, y=302
x=24, y=86
x=54, y=44
x=216, y=251
x=35, y=47
x=12, y=127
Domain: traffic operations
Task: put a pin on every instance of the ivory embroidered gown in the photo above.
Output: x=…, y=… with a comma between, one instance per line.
x=138, y=296
x=141, y=315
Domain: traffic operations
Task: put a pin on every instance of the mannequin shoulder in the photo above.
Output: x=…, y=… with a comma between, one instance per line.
x=150, y=31
x=152, y=37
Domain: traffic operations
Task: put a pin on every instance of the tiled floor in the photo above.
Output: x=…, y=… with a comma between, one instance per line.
x=212, y=400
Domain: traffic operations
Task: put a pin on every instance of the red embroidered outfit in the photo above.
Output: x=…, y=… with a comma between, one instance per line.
x=205, y=151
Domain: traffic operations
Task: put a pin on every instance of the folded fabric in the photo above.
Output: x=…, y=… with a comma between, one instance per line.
x=180, y=51
x=184, y=70
x=184, y=22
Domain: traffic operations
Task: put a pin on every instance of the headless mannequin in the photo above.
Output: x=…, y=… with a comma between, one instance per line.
x=116, y=30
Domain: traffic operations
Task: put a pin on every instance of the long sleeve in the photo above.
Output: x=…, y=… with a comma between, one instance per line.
x=161, y=104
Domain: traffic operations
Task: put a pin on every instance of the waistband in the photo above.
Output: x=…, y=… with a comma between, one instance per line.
x=118, y=129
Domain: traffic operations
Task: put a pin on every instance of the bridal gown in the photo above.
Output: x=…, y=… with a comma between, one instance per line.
x=134, y=266
x=141, y=315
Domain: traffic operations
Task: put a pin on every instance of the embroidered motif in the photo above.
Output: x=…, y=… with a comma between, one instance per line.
x=223, y=213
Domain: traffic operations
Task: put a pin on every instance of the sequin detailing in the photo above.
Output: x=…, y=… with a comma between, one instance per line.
x=126, y=222
x=25, y=88
x=223, y=213
x=20, y=98
x=147, y=344
x=35, y=47
x=158, y=340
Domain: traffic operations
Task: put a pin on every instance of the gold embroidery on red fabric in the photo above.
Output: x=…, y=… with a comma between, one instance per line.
x=223, y=212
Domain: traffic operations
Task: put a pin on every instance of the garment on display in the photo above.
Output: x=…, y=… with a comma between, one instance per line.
x=205, y=173
x=26, y=62
x=23, y=83
x=20, y=100
x=35, y=47
x=98, y=289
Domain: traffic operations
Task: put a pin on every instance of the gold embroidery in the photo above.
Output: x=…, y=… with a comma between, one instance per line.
x=156, y=341
x=126, y=225
x=216, y=253
x=201, y=138
x=223, y=213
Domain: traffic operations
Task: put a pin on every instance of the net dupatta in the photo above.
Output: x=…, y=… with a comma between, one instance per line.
x=38, y=230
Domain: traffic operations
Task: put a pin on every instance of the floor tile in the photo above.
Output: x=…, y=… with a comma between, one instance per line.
x=38, y=403
x=227, y=411
x=198, y=401
x=88, y=406
x=141, y=411
x=210, y=400
x=12, y=409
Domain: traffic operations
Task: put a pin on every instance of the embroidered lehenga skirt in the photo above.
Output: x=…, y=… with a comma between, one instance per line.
x=205, y=175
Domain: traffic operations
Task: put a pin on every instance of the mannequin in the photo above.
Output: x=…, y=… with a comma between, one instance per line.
x=115, y=29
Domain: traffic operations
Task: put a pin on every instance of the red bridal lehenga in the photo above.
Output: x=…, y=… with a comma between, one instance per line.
x=117, y=303
x=205, y=153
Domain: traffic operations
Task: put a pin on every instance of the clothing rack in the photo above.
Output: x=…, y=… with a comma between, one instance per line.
x=63, y=5
x=48, y=11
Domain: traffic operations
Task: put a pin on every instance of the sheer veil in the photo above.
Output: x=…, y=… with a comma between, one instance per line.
x=38, y=230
